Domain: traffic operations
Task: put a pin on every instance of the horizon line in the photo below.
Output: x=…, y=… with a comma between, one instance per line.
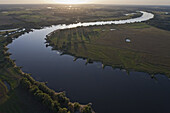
x=82, y=4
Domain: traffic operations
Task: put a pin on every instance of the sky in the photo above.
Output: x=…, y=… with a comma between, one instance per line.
x=129, y=2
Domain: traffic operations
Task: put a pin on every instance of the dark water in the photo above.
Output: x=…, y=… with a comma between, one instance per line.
x=110, y=91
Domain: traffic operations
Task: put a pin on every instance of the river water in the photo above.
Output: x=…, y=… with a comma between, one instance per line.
x=109, y=90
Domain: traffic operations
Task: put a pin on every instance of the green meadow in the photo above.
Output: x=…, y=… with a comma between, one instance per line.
x=148, y=50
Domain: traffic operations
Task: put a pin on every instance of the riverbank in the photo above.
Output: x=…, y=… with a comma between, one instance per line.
x=142, y=54
x=24, y=91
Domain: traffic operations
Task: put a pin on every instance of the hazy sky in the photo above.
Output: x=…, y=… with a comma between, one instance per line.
x=138, y=2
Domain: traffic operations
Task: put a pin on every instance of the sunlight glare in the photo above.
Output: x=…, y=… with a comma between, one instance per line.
x=71, y=1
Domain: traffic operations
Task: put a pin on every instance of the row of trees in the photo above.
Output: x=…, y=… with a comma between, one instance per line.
x=5, y=61
x=56, y=102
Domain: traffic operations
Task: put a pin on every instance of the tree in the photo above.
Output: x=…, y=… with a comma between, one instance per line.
x=76, y=106
x=25, y=83
x=87, y=109
x=62, y=99
x=30, y=78
x=47, y=100
x=71, y=107
x=62, y=110
x=56, y=106
x=33, y=89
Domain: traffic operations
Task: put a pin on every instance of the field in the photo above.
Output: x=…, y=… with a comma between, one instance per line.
x=148, y=50
x=162, y=17
x=37, y=16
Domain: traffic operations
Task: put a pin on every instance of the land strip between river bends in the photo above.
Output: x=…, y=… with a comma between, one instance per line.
x=146, y=16
x=110, y=47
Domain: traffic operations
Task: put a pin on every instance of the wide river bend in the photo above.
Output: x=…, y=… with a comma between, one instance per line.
x=109, y=90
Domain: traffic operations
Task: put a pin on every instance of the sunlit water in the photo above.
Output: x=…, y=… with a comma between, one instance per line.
x=110, y=90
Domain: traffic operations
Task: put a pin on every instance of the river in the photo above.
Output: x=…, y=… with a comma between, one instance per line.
x=109, y=90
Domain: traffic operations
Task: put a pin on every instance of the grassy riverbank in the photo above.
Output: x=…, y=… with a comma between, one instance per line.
x=148, y=50
x=24, y=94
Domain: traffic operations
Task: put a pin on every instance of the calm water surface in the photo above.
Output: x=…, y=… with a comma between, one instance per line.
x=110, y=90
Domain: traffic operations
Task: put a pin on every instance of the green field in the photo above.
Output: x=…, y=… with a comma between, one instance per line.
x=148, y=50
x=161, y=20
x=37, y=16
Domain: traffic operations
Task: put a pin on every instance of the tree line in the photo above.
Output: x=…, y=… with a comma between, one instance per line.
x=56, y=102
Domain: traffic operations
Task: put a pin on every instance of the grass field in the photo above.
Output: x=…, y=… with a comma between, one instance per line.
x=37, y=16
x=162, y=19
x=148, y=50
